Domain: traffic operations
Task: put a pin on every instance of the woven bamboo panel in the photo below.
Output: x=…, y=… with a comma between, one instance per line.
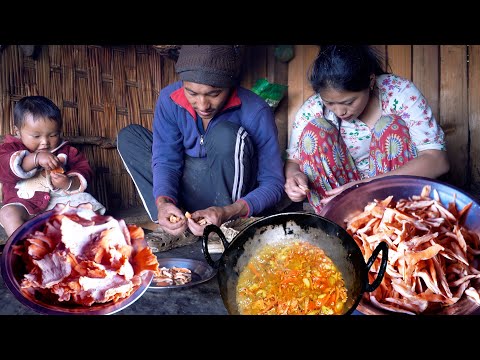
x=99, y=89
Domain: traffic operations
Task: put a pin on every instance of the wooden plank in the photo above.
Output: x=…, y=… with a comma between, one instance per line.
x=311, y=52
x=400, y=60
x=454, y=109
x=254, y=65
x=298, y=91
x=295, y=85
x=425, y=74
x=474, y=112
x=277, y=72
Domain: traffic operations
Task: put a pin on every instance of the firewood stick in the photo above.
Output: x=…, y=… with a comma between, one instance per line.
x=103, y=142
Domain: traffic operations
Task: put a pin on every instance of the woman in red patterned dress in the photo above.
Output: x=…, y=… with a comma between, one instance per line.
x=361, y=123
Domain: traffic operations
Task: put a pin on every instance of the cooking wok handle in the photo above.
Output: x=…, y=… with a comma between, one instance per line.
x=383, y=247
x=209, y=229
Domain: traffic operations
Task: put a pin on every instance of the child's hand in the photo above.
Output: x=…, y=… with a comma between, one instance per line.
x=47, y=160
x=60, y=181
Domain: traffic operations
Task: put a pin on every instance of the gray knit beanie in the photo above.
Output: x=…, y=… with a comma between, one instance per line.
x=214, y=65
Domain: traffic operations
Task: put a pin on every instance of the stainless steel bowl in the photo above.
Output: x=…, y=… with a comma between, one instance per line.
x=12, y=269
x=353, y=200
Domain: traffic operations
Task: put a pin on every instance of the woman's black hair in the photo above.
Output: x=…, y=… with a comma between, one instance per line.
x=39, y=107
x=345, y=67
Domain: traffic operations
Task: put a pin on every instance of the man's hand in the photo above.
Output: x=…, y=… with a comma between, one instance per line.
x=165, y=212
x=216, y=215
x=201, y=218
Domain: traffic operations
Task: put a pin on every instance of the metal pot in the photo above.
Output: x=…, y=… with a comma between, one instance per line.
x=282, y=228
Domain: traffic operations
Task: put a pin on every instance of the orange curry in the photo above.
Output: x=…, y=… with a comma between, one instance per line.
x=291, y=279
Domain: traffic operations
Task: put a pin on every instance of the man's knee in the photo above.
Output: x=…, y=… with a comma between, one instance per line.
x=128, y=131
x=124, y=135
x=130, y=134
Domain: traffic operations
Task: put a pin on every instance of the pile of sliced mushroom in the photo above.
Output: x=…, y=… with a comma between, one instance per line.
x=432, y=255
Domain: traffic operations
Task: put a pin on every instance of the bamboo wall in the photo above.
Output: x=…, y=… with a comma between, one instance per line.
x=449, y=78
x=101, y=89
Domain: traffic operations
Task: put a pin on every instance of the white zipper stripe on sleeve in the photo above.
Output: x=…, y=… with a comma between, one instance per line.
x=239, y=167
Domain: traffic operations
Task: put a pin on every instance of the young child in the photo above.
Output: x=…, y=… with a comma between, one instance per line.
x=37, y=169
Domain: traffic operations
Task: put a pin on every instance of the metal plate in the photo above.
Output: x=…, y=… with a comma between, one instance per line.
x=12, y=270
x=353, y=200
x=201, y=271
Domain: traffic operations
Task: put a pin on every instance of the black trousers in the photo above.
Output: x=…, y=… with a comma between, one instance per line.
x=228, y=172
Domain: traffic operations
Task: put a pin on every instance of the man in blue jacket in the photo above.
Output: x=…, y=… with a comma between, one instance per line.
x=214, y=149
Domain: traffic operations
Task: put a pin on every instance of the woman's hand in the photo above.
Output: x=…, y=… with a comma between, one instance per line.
x=296, y=186
x=334, y=192
x=168, y=212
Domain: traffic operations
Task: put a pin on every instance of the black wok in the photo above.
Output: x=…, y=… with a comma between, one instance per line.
x=282, y=228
